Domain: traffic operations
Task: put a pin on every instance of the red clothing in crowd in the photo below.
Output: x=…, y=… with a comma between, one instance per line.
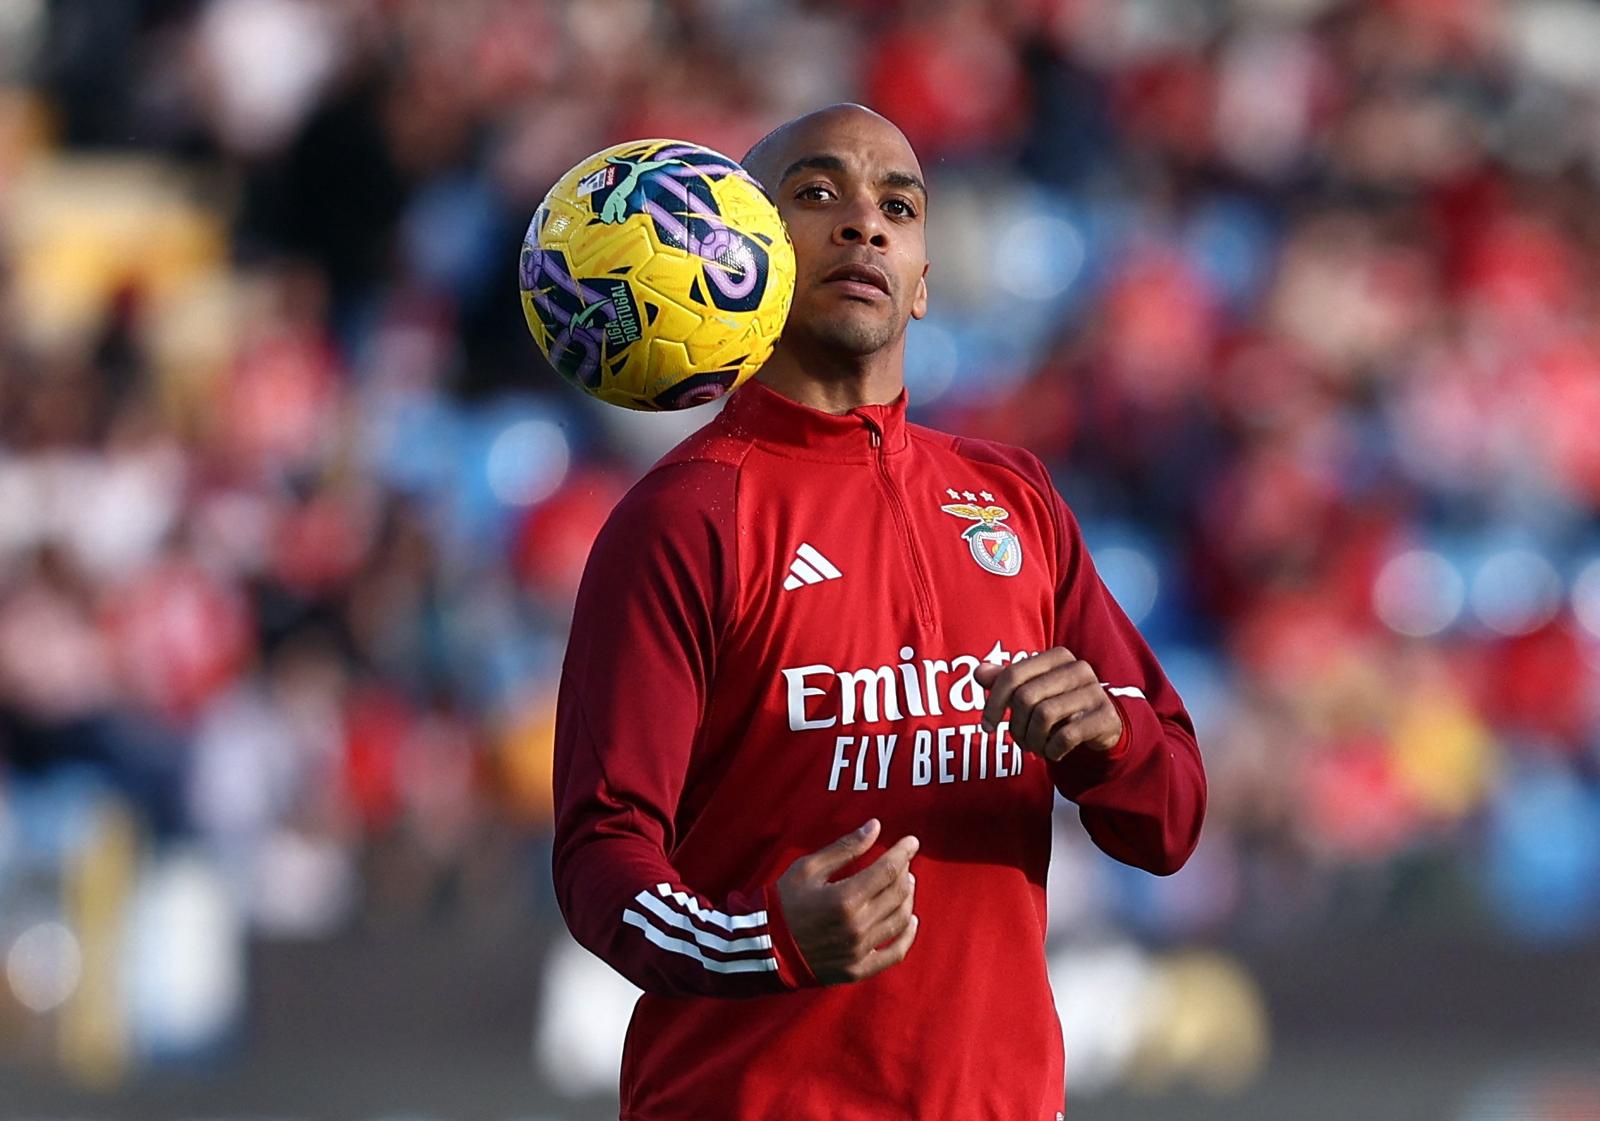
x=774, y=641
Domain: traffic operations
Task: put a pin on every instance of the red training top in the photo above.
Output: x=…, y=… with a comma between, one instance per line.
x=774, y=641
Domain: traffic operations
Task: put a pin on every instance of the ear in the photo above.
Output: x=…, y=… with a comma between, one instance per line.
x=919, y=302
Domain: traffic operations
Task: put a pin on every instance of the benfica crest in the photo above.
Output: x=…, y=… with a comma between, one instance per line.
x=996, y=548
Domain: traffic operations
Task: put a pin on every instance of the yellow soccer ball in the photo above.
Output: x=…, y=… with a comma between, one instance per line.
x=656, y=275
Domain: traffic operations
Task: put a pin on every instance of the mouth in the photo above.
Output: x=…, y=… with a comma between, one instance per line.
x=857, y=278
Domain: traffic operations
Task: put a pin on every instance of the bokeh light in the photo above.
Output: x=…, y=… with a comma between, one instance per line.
x=1418, y=593
x=1038, y=257
x=1586, y=597
x=1515, y=591
x=1132, y=578
x=44, y=965
x=527, y=462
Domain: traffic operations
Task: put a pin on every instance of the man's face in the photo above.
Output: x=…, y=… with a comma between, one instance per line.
x=851, y=191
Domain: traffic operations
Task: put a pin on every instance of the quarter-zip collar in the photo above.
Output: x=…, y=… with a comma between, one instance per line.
x=771, y=418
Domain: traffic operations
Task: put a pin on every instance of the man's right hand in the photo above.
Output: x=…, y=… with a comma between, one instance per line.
x=861, y=925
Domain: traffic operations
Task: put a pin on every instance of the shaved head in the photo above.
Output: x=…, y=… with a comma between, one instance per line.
x=767, y=158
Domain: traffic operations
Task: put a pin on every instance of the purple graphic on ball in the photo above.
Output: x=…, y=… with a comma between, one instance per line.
x=589, y=323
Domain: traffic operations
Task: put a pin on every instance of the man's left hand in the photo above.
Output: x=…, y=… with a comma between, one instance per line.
x=1057, y=704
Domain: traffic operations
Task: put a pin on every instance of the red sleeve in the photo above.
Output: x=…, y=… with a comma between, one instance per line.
x=656, y=595
x=1142, y=802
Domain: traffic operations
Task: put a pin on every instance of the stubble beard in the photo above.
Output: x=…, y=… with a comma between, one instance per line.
x=853, y=336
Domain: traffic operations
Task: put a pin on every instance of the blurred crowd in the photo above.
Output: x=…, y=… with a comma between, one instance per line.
x=1297, y=298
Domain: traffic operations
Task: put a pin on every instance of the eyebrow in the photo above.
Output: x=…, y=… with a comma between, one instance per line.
x=819, y=163
x=904, y=180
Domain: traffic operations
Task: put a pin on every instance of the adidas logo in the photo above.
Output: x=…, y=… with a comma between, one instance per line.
x=810, y=567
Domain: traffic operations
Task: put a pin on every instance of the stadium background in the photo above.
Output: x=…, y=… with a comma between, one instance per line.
x=1296, y=297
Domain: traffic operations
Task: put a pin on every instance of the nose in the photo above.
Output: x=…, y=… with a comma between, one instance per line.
x=861, y=221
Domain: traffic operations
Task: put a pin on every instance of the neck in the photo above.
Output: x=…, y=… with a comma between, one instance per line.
x=836, y=384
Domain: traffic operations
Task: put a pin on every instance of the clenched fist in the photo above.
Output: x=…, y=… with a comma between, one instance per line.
x=1057, y=704
x=861, y=925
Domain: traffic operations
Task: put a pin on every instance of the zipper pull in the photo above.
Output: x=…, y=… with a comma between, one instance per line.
x=874, y=433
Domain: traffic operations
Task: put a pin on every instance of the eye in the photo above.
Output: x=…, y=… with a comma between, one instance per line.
x=814, y=192
x=900, y=208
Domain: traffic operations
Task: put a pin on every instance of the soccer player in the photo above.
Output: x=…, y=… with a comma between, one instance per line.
x=827, y=670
